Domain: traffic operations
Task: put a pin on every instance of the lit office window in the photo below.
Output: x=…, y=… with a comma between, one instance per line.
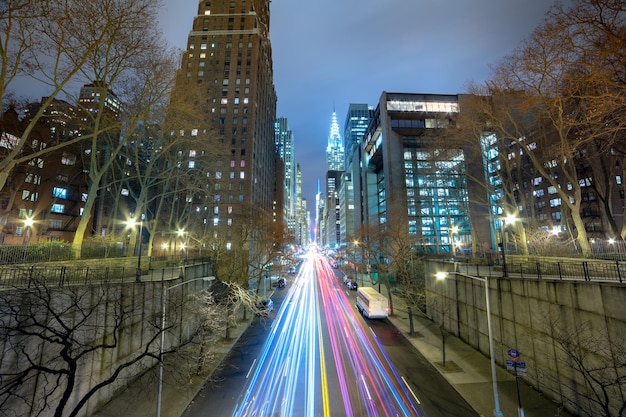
x=58, y=208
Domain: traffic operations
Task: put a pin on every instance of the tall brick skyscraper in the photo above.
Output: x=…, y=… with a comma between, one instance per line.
x=227, y=77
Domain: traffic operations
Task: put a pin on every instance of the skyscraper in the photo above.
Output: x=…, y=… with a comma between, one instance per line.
x=355, y=126
x=284, y=148
x=335, y=164
x=227, y=77
x=335, y=153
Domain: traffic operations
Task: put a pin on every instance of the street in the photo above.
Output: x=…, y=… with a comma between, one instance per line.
x=316, y=356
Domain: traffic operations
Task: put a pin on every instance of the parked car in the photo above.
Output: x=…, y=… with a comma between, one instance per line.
x=264, y=306
x=352, y=285
x=292, y=270
x=281, y=283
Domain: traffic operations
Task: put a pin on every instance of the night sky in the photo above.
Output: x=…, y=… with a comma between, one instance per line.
x=330, y=53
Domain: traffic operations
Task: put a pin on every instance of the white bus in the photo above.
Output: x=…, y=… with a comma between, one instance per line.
x=371, y=303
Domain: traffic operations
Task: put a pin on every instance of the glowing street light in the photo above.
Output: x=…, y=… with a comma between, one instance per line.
x=510, y=219
x=496, y=399
x=164, y=295
x=131, y=224
x=454, y=230
x=28, y=223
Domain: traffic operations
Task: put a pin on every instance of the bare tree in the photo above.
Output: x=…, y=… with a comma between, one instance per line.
x=596, y=383
x=52, y=337
x=62, y=43
x=559, y=97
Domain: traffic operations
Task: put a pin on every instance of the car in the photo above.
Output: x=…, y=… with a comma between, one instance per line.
x=281, y=283
x=264, y=306
x=292, y=270
x=352, y=285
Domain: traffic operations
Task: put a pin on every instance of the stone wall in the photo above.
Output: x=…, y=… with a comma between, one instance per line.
x=553, y=324
x=93, y=312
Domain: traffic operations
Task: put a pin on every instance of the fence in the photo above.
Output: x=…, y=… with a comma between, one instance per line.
x=55, y=251
x=26, y=276
x=584, y=270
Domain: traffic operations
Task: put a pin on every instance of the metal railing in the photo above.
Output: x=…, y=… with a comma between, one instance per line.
x=59, y=276
x=583, y=270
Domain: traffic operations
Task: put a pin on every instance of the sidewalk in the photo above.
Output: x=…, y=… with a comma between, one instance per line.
x=467, y=370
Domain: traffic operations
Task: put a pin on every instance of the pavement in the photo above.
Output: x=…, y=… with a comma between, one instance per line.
x=466, y=369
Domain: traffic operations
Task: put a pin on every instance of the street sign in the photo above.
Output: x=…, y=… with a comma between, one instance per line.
x=514, y=355
x=518, y=367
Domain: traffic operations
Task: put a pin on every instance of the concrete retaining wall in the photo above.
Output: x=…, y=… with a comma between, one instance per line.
x=140, y=306
x=552, y=324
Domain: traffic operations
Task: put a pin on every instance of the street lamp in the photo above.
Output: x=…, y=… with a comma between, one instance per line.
x=442, y=276
x=163, y=321
x=510, y=219
x=28, y=223
x=453, y=231
x=356, y=264
x=183, y=246
x=131, y=224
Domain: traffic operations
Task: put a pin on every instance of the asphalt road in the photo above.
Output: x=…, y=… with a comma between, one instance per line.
x=314, y=355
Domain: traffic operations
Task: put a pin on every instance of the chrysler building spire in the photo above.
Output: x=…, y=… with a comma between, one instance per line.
x=334, y=151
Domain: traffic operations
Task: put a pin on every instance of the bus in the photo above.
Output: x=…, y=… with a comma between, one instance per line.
x=371, y=303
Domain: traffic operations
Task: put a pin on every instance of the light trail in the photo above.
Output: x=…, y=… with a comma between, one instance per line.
x=290, y=376
x=359, y=357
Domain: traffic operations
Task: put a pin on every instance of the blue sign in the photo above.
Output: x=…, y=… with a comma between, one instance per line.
x=514, y=355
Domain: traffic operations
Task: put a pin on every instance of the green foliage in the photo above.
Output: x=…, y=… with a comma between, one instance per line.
x=39, y=252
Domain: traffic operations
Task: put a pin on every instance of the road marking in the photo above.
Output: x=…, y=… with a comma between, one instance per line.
x=251, y=368
x=411, y=391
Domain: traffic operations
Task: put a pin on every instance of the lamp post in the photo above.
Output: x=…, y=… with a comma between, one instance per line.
x=510, y=219
x=485, y=281
x=356, y=264
x=163, y=322
x=183, y=246
x=28, y=223
x=131, y=224
x=617, y=247
x=453, y=231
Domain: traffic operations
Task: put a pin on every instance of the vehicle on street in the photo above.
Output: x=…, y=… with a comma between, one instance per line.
x=371, y=303
x=292, y=270
x=352, y=285
x=281, y=283
x=264, y=306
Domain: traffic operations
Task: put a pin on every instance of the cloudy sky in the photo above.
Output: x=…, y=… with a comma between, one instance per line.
x=330, y=53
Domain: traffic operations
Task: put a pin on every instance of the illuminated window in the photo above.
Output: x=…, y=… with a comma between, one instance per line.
x=59, y=192
x=58, y=208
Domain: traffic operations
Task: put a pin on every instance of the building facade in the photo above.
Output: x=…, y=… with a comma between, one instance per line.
x=227, y=75
x=414, y=179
